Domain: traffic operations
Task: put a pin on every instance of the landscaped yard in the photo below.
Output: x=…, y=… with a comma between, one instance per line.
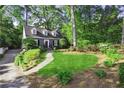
x=68, y=62
x=30, y=58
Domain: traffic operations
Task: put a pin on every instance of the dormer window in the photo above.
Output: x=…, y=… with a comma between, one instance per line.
x=34, y=31
x=54, y=34
x=45, y=33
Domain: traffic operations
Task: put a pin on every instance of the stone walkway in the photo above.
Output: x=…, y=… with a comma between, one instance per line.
x=10, y=76
x=49, y=58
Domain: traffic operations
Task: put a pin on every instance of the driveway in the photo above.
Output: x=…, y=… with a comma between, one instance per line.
x=10, y=76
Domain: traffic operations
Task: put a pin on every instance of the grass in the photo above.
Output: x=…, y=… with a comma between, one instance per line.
x=68, y=62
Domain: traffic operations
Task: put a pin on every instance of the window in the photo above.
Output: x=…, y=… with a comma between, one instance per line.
x=45, y=33
x=37, y=41
x=53, y=33
x=55, y=42
x=34, y=31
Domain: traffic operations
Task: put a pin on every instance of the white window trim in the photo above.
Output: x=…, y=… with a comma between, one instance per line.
x=55, y=42
x=47, y=43
x=45, y=33
x=34, y=31
x=54, y=34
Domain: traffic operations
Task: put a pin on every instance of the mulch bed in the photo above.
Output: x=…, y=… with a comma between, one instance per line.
x=85, y=79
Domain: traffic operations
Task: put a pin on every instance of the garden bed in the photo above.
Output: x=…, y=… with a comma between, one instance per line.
x=28, y=59
x=84, y=79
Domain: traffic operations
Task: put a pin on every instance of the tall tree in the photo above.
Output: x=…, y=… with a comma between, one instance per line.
x=73, y=26
x=122, y=41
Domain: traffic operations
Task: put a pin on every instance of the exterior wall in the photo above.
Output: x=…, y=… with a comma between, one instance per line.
x=41, y=43
x=51, y=43
x=24, y=35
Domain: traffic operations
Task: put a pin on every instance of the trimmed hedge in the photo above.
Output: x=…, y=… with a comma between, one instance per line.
x=29, y=59
x=29, y=43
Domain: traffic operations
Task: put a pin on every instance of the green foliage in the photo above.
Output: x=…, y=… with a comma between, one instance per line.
x=31, y=55
x=63, y=43
x=64, y=77
x=93, y=47
x=109, y=51
x=29, y=59
x=67, y=31
x=83, y=43
x=112, y=54
x=103, y=47
x=100, y=73
x=108, y=63
x=115, y=57
x=19, y=59
x=69, y=62
x=29, y=43
x=121, y=74
x=98, y=27
x=10, y=36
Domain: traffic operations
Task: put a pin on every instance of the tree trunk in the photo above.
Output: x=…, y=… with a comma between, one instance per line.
x=122, y=41
x=26, y=15
x=25, y=23
x=73, y=27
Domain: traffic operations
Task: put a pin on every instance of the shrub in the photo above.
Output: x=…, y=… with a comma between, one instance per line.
x=72, y=48
x=103, y=47
x=29, y=43
x=93, y=48
x=108, y=63
x=28, y=59
x=31, y=55
x=100, y=73
x=111, y=51
x=121, y=73
x=64, y=43
x=64, y=77
x=83, y=43
x=18, y=59
x=115, y=57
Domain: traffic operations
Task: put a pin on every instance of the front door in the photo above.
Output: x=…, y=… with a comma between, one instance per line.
x=46, y=43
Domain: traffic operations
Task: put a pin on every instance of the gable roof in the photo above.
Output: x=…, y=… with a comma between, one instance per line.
x=40, y=32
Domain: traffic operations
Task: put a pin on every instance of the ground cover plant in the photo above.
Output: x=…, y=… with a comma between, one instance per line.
x=64, y=77
x=68, y=62
x=100, y=73
x=111, y=52
x=108, y=63
x=121, y=74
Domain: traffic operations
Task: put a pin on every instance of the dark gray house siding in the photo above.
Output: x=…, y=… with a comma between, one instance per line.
x=43, y=37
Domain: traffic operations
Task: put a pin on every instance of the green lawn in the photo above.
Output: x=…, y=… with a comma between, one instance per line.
x=69, y=62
